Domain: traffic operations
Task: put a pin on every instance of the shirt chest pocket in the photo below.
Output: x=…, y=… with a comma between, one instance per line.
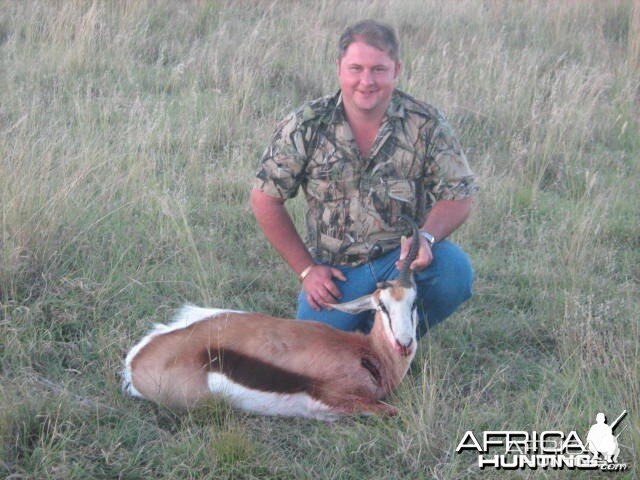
x=391, y=197
x=394, y=190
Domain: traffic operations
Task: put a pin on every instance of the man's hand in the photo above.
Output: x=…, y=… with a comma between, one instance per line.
x=320, y=287
x=444, y=218
x=423, y=259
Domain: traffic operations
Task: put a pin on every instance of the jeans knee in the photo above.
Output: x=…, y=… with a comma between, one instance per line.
x=455, y=291
x=447, y=283
x=466, y=283
x=460, y=284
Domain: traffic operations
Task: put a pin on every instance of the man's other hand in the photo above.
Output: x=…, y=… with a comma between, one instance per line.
x=320, y=287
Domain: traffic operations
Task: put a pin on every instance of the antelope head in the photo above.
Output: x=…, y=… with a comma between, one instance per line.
x=394, y=303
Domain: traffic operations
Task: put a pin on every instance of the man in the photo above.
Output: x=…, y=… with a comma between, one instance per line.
x=601, y=440
x=363, y=157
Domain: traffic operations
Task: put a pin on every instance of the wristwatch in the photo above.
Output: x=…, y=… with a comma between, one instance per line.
x=429, y=238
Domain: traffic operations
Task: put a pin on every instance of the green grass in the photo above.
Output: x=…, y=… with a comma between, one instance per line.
x=129, y=136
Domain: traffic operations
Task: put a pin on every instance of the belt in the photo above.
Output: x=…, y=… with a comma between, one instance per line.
x=375, y=252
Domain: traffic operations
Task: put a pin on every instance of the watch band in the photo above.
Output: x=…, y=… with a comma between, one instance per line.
x=428, y=237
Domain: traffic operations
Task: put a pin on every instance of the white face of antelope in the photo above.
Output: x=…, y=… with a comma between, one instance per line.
x=397, y=309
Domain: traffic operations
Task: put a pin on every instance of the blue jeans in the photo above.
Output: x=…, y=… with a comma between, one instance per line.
x=442, y=287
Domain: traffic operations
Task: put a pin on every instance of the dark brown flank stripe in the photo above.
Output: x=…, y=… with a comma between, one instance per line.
x=255, y=374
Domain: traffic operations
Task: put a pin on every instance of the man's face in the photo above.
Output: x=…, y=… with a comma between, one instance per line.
x=367, y=77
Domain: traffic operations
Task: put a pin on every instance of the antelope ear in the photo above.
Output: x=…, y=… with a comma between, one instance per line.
x=356, y=306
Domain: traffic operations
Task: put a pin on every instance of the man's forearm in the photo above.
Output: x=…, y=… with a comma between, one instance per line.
x=275, y=222
x=446, y=216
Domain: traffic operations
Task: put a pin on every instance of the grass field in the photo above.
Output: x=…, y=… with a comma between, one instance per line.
x=129, y=135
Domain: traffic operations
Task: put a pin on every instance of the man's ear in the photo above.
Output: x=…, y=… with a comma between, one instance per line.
x=356, y=306
x=398, y=68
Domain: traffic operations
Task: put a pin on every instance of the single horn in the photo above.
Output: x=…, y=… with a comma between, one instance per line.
x=405, y=273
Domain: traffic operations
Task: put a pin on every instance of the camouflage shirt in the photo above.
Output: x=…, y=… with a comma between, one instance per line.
x=353, y=203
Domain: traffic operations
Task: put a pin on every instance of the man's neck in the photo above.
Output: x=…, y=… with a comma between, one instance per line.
x=359, y=120
x=364, y=129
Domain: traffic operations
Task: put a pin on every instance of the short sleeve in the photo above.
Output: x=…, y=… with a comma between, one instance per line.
x=283, y=162
x=451, y=176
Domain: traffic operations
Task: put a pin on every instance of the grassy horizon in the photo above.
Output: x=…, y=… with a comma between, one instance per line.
x=129, y=136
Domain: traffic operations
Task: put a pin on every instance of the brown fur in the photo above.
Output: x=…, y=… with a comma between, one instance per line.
x=347, y=371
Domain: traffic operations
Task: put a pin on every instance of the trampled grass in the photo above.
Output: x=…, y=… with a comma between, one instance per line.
x=129, y=135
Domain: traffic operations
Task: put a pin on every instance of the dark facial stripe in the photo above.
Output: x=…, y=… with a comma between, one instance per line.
x=254, y=373
x=383, y=309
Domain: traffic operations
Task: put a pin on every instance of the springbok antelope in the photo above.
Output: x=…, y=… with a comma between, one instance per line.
x=275, y=366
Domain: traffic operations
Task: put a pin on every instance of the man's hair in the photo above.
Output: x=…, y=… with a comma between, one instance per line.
x=371, y=32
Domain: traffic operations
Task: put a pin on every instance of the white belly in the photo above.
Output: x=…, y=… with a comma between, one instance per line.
x=268, y=403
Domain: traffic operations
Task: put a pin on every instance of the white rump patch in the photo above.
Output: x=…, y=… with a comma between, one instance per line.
x=127, y=384
x=269, y=403
x=188, y=315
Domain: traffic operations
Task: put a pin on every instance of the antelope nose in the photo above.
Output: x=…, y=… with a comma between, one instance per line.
x=405, y=350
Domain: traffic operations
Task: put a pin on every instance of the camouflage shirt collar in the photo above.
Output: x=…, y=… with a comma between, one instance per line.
x=394, y=110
